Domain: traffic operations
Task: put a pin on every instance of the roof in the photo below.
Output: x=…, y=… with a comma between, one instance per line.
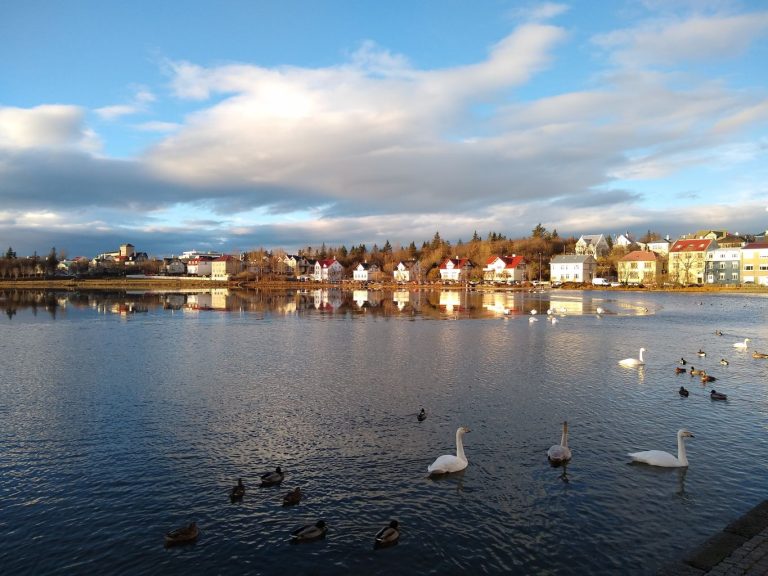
x=639, y=256
x=225, y=258
x=327, y=263
x=571, y=258
x=697, y=245
x=457, y=263
x=509, y=261
x=592, y=238
x=755, y=246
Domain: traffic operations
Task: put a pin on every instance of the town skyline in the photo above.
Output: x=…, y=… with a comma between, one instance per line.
x=302, y=123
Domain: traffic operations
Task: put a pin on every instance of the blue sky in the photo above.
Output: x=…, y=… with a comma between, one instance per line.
x=234, y=125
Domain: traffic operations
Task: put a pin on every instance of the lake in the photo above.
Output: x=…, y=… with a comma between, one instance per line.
x=124, y=415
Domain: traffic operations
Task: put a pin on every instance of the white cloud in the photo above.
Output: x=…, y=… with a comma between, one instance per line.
x=46, y=126
x=539, y=12
x=696, y=38
x=139, y=103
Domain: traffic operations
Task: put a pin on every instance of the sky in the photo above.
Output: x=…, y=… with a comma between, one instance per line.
x=242, y=124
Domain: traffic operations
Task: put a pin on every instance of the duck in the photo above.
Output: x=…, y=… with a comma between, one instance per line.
x=449, y=463
x=725, y=362
x=742, y=345
x=600, y=310
x=718, y=333
x=706, y=377
x=238, y=491
x=695, y=372
x=309, y=532
x=701, y=353
x=665, y=459
x=388, y=536
x=683, y=361
x=683, y=392
x=560, y=453
x=680, y=370
x=422, y=415
x=632, y=362
x=292, y=497
x=272, y=478
x=184, y=535
x=757, y=354
x=715, y=395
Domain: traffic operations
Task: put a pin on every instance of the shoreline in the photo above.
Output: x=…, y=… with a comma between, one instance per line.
x=186, y=282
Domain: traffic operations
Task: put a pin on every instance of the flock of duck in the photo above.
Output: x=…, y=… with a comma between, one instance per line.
x=189, y=534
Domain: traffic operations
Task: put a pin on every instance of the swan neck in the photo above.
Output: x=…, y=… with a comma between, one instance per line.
x=681, y=455
x=460, y=446
x=641, y=354
x=564, y=439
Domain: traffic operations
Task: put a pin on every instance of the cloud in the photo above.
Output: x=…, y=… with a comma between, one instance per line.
x=139, y=103
x=539, y=12
x=694, y=39
x=48, y=126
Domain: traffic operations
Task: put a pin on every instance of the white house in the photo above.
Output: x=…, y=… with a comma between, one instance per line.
x=572, y=268
x=594, y=245
x=200, y=266
x=505, y=269
x=455, y=269
x=328, y=270
x=658, y=246
x=407, y=271
x=365, y=272
x=623, y=240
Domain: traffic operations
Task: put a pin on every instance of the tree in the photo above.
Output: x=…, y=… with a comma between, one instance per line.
x=10, y=254
x=51, y=261
x=539, y=231
x=475, y=237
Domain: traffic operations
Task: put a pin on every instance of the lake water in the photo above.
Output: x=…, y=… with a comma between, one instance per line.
x=125, y=415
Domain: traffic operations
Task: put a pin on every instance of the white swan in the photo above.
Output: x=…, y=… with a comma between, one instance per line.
x=742, y=344
x=632, y=362
x=448, y=462
x=560, y=452
x=661, y=458
x=599, y=310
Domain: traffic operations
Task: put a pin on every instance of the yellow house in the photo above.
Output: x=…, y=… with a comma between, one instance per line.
x=224, y=267
x=754, y=263
x=641, y=267
x=687, y=260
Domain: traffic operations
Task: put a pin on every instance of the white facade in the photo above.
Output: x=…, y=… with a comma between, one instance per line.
x=328, y=271
x=572, y=268
x=199, y=267
x=407, y=271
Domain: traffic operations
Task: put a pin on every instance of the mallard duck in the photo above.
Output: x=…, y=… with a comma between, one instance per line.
x=683, y=392
x=706, y=377
x=680, y=370
x=695, y=372
x=238, y=491
x=272, y=478
x=757, y=354
x=718, y=333
x=701, y=353
x=185, y=535
x=309, y=532
x=292, y=497
x=715, y=395
x=422, y=415
x=724, y=362
x=388, y=535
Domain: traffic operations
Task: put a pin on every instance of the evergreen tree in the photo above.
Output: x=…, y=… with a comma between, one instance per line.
x=10, y=254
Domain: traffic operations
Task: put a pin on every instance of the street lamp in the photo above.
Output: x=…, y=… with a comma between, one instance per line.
x=539, y=267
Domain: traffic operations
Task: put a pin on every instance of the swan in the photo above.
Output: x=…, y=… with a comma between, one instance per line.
x=683, y=392
x=742, y=345
x=309, y=532
x=292, y=497
x=631, y=362
x=448, y=462
x=600, y=310
x=388, y=535
x=238, y=491
x=272, y=478
x=665, y=459
x=560, y=453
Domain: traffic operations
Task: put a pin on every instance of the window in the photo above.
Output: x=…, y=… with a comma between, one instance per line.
x=721, y=276
x=749, y=267
x=763, y=267
x=735, y=276
x=722, y=266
